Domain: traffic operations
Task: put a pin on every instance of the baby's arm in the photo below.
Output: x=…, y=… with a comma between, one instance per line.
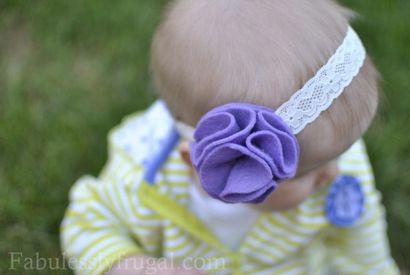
x=105, y=224
x=363, y=248
x=96, y=231
x=93, y=234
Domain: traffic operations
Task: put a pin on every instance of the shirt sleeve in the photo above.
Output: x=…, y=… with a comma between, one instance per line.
x=93, y=234
x=100, y=226
x=363, y=248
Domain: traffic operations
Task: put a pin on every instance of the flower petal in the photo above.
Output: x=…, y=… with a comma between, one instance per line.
x=242, y=150
x=233, y=168
x=252, y=197
x=219, y=126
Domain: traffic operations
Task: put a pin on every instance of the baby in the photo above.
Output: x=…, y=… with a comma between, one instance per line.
x=270, y=98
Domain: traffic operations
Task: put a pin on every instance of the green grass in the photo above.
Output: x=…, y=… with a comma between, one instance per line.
x=70, y=70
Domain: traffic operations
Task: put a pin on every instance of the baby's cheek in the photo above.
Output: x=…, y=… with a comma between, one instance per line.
x=288, y=195
x=299, y=191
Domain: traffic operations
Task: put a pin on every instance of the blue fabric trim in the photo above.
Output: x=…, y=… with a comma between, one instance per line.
x=155, y=163
x=345, y=201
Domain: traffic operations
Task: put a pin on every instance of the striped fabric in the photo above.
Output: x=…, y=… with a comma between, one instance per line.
x=117, y=215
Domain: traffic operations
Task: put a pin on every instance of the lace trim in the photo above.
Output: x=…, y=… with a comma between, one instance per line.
x=319, y=92
x=329, y=82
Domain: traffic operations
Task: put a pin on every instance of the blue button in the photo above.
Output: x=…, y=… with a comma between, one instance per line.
x=345, y=201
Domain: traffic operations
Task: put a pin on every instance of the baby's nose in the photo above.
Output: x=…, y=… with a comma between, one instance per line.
x=327, y=173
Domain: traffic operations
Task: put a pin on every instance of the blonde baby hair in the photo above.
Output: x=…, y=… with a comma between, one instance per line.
x=206, y=53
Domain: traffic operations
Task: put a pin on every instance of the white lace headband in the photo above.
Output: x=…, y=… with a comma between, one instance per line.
x=320, y=91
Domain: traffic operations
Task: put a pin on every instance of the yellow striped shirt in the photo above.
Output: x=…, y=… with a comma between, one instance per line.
x=117, y=215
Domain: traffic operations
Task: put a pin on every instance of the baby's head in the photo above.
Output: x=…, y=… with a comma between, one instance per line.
x=207, y=53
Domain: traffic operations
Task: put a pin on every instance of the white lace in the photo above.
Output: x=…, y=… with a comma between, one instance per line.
x=319, y=92
x=329, y=82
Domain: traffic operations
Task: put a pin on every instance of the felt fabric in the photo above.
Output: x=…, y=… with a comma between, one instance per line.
x=242, y=151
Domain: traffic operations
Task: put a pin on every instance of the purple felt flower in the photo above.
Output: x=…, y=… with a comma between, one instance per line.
x=241, y=151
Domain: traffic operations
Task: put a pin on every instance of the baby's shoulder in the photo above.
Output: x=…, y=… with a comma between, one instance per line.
x=140, y=135
x=355, y=162
x=139, y=138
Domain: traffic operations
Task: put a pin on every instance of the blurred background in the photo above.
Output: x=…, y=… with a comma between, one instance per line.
x=70, y=70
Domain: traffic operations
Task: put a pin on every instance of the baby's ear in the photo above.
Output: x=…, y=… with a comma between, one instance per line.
x=183, y=149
